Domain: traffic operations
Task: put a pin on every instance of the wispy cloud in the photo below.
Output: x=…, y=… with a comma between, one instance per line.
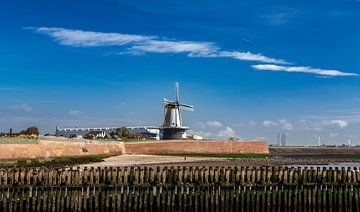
x=140, y=44
x=9, y=89
x=214, y=124
x=252, y=123
x=269, y=123
x=223, y=133
x=193, y=48
x=339, y=123
x=283, y=123
x=333, y=134
x=80, y=38
x=302, y=69
x=278, y=18
x=23, y=107
x=74, y=112
x=286, y=125
x=226, y=133
x=248, y=56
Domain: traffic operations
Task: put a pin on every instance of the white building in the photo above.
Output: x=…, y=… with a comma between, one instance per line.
x=77, y=132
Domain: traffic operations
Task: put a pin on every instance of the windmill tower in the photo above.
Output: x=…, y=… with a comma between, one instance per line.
x=172, y=127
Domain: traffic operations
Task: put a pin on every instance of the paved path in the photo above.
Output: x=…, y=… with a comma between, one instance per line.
x=140, y=160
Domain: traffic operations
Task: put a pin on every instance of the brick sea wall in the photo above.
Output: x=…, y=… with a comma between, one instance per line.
x=203, y=147
x=45, y=149
x=51, y=149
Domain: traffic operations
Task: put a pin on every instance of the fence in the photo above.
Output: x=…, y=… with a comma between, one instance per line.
x=180, y=189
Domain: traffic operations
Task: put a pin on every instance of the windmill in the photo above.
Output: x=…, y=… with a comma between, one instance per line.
x=172, y=127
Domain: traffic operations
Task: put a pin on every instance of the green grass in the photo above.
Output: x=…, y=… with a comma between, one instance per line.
x=326, y=156
x=124, y=140
x=218, y=155
x=17, y=138
x=313, y=147
x=54, y=162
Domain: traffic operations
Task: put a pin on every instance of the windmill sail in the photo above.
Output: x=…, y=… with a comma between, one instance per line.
x=177, y=91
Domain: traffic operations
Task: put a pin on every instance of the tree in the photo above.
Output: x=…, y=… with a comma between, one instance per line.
x=30, y=131
x=122, y=132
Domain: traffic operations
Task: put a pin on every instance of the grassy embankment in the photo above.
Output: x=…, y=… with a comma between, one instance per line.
x=53, y=162
x=326, y=156
x=130, y=140
x=217, y=155
x=311, y=152
x=19, y=138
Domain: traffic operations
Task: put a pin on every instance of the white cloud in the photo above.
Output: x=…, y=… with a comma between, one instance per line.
x=24, y=107
x=268, y=123
x=248, y=56
x=316, y=129
x=156, y=46
x=139, y=44
x=287, y=126
x=226, y=133
x=339, y=123
x=252, y=123
x=283, y=123
x=82, y=38
x=333, y=135
x=74, y=112
x=278, y=18
x=9, y=89
x=214, y=124
x=302, y=69
x=204, y=134
x=223, y=133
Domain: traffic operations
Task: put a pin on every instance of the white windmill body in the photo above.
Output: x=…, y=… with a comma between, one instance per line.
x=172, y=126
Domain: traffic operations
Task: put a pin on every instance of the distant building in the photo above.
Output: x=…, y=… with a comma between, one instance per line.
x=77, y=132
x=9, y=134
x=195, y=137
x=149, y=132
x=278, y=140
x=281, y=139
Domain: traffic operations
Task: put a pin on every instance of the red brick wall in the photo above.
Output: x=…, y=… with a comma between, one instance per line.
x=50, y=149
x=56, y=149
x=163, y=147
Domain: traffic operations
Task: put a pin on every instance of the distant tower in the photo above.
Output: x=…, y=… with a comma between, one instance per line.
x=349, y=142
x=57, y=131
x=283, y=139
x=172, y=127
x=319, y=140
x=278, y=139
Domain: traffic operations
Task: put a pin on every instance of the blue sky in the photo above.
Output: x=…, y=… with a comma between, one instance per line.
x=251, y=68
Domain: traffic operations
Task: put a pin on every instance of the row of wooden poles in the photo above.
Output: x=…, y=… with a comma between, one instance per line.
x=180, y=198
x=127, y=176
